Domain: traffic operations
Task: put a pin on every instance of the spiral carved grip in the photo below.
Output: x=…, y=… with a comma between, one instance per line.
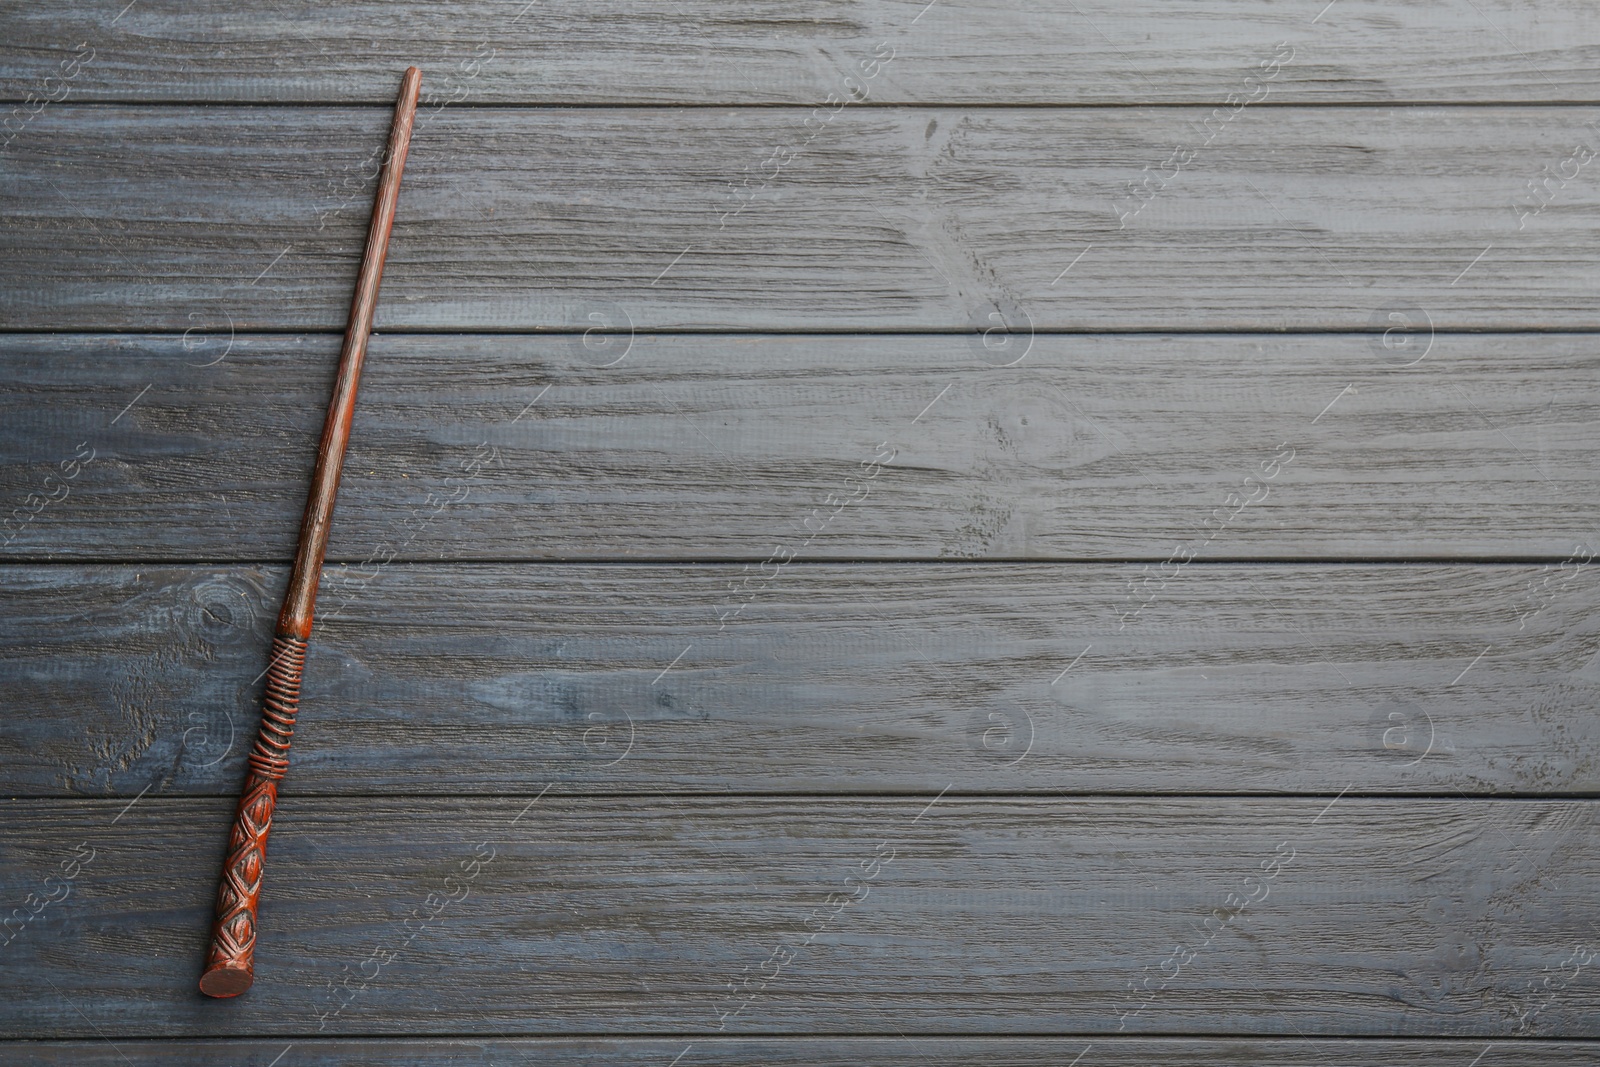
x=230, y=964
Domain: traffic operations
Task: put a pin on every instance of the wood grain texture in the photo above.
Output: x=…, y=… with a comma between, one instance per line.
x=834, y=678
x=887, y=219
x=581, y=759
x=616, y=915
x=696, y=447
x=699, y=52
x=898, y=1051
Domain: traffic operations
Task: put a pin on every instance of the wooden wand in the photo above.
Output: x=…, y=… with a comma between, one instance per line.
x=230, y=964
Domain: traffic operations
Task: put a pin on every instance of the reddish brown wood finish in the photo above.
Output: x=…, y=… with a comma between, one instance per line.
x=230, y=963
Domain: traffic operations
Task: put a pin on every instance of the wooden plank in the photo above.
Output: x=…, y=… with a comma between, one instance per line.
x=698, y=52
x=621, y=915
x=693, y=447
x=829, y=678
x=878, y=219
x=908, y=1051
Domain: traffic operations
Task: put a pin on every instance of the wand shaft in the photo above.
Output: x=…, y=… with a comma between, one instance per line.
x=230, y=963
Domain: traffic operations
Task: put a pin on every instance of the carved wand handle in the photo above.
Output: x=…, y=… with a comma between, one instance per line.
x=230, y=963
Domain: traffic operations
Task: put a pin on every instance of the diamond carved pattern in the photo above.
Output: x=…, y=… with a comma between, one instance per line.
x=230, y=962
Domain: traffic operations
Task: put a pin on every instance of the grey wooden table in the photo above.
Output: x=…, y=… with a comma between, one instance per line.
x=878, y=532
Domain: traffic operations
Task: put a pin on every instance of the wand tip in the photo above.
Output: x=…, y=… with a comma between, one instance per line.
x=410, y=88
